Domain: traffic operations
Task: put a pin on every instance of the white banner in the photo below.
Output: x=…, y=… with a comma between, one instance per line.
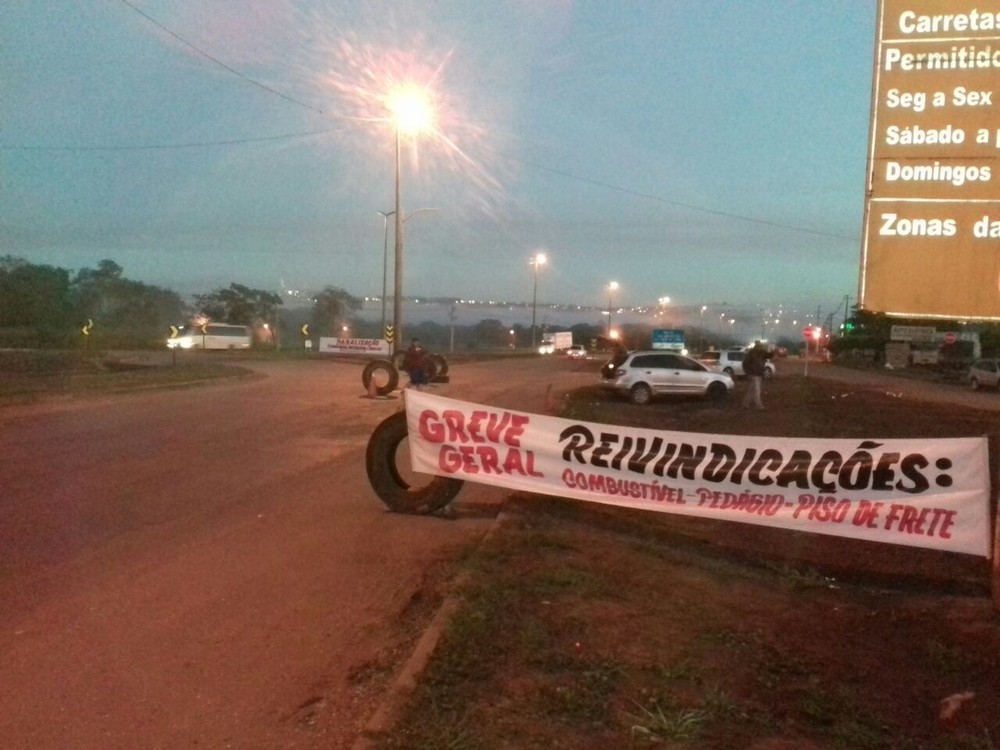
x=354, y=346
x=931, y=493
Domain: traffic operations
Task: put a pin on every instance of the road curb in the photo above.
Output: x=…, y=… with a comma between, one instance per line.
x=388, y=712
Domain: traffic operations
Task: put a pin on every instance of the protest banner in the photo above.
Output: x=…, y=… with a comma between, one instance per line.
x=378, y=347
x=929, y=493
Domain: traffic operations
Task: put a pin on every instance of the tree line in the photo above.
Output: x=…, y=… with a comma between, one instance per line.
x=46, y=307
x=43, y=306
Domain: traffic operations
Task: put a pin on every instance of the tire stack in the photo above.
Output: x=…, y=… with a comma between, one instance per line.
x=437, y=372
x=437, y=366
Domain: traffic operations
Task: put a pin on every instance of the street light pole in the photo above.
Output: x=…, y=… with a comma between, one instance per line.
x=410, y=112
x=385, y=258
x=397, y=280
x=536, y=261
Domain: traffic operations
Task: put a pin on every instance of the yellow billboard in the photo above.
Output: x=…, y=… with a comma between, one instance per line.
x=931, y=243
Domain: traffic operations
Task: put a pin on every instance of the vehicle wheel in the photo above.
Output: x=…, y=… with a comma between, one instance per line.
x=974, y=382
x=730, y=372
x=385, y=478
x=391, y=376
x=641, y=394
x=717, y=391
x=439, y=362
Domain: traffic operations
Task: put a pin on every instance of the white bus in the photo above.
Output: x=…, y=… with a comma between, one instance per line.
x=212, y=336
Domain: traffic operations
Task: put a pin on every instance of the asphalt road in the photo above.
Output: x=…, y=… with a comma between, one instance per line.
x=208, y=567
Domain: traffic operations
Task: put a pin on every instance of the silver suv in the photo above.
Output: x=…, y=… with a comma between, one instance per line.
x=731, y=363
x=642, y=375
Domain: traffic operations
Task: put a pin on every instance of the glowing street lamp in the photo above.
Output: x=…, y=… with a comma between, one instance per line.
x=612, y=286
x=537, y=260
x=411, y=114
x=661, y=304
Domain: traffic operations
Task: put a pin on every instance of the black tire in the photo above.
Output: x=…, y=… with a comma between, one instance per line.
x=384, y=365
x=730, y=372
x=641, y=394
x=430, y=369
x=389, y=485
x=440, y=363
x=717, y=391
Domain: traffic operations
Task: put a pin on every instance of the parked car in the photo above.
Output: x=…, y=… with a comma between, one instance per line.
x=577, y=351
x=984, y=373
x=645, y=374
x=710, y=358
x=731, y=363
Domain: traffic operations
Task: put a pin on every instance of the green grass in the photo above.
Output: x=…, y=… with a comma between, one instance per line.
x=30, y=376
x=526, y=663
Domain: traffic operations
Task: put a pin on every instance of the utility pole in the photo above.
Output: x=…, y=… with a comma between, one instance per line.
x=451, y=341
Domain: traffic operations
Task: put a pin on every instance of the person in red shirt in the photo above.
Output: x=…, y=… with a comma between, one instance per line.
x=415, y=364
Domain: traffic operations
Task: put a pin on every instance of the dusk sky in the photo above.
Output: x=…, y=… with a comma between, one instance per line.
x=710, y=151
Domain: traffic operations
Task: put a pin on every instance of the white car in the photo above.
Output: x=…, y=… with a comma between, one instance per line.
x=984, y=373
x=731, y=363
x=642, y=375
x=577, y=351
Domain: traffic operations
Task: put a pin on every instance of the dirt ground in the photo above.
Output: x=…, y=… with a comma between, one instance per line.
x=583, y=626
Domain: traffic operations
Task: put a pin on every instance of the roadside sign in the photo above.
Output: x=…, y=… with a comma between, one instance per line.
x=923, y=334
x=932, y=191
x=668, y=338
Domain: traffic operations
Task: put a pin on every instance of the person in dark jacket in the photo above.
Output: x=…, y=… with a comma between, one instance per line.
x=754, y=366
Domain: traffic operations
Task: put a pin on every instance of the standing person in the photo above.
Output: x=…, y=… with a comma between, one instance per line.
x=754, y=365
x=415, y=364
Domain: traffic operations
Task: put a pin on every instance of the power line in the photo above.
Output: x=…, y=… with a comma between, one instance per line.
x=171, y=146
x=275, y=92
x=661, y=199
x=219, y=62
x=534, y=165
